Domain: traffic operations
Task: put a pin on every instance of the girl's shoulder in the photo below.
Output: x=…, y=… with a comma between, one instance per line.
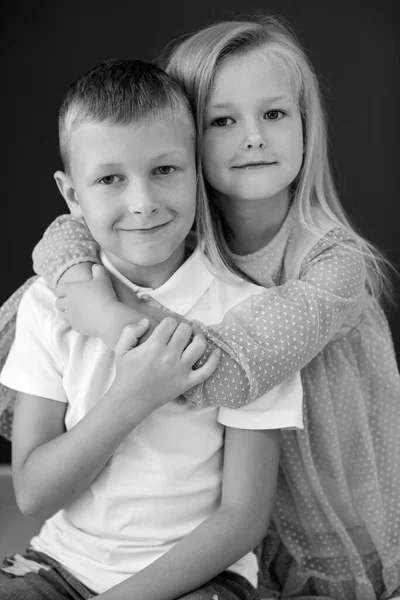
x=304, y=235
x=307, y=242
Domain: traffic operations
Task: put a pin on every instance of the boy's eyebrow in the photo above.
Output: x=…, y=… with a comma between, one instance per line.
x=107, y=165
x=113, y=165
x=101, y=167
x=267, y=99
x=116, y=165
x=171, y=152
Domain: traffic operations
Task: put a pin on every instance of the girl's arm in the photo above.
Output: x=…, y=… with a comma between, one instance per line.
x=270, y=336
x=237, y=526
x=65, y=243
x=51, y=466
x=97, y=305
x=274, y=334
x=67, y=253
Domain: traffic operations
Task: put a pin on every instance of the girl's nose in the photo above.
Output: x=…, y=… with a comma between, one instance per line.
x=255, y=141
x=254, y=137
x=255, y=144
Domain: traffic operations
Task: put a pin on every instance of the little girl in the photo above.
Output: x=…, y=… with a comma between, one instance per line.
x=274, y=215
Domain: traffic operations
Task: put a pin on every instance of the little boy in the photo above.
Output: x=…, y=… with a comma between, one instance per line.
x=143, y=497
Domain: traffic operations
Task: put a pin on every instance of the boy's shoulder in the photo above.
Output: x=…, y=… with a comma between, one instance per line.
x=225, y=279
x=40, y=300
x=228, y=289
x=39, y=291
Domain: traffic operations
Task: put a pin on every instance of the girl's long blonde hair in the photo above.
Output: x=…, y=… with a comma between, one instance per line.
x=194, y=63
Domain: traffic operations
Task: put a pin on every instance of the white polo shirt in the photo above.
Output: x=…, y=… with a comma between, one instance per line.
x=165, y=477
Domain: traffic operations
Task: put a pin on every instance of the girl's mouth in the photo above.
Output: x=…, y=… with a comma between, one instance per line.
x=254, y=165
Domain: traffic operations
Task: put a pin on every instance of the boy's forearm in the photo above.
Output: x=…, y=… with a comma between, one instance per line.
x=57, y=472
x=216, y=544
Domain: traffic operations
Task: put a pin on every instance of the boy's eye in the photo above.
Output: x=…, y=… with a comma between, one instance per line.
x=274, y=115
x=110, y=179
x=221, y=122
x=165, y=170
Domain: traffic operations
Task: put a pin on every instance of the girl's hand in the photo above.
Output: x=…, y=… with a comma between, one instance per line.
x=87, y=305
x=160, y=369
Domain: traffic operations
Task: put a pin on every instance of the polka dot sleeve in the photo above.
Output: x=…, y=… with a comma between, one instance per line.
x=265, y=339
x=274, y=334
x=65, y=243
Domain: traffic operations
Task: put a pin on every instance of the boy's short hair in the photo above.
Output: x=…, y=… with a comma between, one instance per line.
x=120, y=92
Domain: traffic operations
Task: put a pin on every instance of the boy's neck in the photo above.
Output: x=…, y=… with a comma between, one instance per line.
x=153, y=276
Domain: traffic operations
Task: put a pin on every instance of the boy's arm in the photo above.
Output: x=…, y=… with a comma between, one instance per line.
x=272, y=335
x=51, y=466
x=237, y=526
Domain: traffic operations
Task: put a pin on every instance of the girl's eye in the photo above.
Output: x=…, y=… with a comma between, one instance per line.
x=165, y=170
x=274, y=115
x=221, y=122
x=110, y=179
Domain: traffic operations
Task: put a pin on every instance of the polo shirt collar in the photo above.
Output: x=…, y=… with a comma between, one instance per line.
x=182, y=290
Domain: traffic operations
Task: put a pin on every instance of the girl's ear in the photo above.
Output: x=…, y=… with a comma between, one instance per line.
x=65, y=185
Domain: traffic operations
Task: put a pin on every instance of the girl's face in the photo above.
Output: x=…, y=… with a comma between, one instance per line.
x=253, y=139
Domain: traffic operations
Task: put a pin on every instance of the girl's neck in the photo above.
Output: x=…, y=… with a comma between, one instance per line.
x=251, y=225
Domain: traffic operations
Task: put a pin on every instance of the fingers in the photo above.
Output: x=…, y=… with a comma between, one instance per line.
x=195, y=350
x=202, y=373
x=99, y=272
x=180, y=339
x=60, y=291
x=130, y=336
x=149, y=300
x=164, y=330
x=60, y=305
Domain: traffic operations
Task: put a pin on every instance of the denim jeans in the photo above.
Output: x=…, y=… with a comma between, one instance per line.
x=226, y=586
x=44, y=578
x=49, y=580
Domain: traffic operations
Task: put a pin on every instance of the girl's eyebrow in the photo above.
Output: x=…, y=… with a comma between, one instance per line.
x=218, y=105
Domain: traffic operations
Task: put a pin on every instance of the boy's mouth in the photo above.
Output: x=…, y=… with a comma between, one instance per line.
x=146, y=230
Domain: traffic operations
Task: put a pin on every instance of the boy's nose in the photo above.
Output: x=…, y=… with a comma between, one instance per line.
x=143, y=210
x=142, y=202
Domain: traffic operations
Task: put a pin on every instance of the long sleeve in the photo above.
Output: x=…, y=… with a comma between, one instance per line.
x=275, y=334
x=265, y=339
x=66, y=242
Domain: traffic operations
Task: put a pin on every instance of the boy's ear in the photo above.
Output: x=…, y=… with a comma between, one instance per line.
x=65, y=185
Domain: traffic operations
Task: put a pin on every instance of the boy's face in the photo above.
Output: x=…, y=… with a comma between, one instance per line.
x=135, y=186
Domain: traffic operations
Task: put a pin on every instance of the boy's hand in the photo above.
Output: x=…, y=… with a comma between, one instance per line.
x=160, y=369
x=86, y=305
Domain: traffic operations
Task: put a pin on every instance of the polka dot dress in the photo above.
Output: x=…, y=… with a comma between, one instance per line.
x=335, y=531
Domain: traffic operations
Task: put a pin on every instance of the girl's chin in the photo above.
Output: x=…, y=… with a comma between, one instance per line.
x=260, y=196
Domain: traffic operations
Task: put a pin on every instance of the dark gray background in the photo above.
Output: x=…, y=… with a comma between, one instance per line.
x=46, y=45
